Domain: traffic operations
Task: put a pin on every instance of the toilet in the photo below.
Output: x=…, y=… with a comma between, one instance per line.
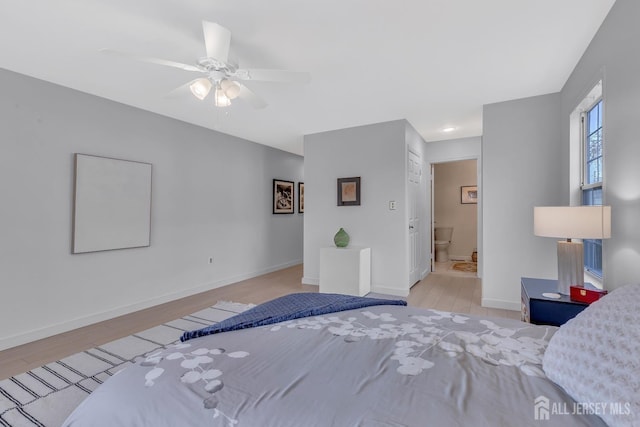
x=442, y=242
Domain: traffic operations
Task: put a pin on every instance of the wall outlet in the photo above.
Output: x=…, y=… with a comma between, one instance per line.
x=392, y=205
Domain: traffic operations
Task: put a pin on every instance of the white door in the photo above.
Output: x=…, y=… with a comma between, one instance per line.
x=414, y=175
x=432, y=223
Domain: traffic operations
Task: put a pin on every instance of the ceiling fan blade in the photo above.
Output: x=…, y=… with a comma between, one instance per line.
x=274, y=75
x=182, y=91
x=247, y=95
x=217, y=40
x=152, y=60
x=179, y=92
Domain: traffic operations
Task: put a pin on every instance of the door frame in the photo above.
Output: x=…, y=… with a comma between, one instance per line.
x=434, y=161
x=422, y=223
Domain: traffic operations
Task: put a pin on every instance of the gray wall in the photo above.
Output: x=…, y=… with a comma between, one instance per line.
x=454, y=149
x=211, y=197
x=378, y=154
x=612, y=56
x=522, y=167
x=526, y=163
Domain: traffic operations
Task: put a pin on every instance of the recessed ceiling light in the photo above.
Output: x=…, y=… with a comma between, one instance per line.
x=449, y=129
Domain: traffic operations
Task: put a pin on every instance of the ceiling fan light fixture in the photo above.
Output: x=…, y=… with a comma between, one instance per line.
x=231, y=89
x=219, y=71
x=200, y=88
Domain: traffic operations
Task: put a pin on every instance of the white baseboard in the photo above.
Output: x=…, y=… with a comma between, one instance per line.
x=36, y=334
x=374, y=288
x=390, y=291
x=310, y=281
x=496, y=303
x=459, y=258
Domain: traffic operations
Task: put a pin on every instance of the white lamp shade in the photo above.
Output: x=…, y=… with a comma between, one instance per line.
x=580, y=222
x=230, y=88
x=200, y=88
x=221, y=100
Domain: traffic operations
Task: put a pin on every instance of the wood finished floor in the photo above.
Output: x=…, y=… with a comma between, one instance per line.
x=439, y=291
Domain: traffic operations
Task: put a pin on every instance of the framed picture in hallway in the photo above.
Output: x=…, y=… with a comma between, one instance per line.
x=468, y=194
x=282, y=197
x=301, y=197
x=349, y=191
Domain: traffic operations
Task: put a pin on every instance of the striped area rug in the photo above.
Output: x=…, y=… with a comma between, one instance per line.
x=45, y=396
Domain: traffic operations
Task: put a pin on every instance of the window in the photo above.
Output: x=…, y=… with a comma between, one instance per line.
x=593, y=145
x=592, y=180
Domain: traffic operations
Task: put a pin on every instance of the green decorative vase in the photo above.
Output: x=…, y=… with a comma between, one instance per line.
x=341, y=239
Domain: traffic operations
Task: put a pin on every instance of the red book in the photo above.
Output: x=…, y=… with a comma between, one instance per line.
x=581, y=294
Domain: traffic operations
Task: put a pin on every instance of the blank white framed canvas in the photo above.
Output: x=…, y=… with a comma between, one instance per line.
x=112, y=204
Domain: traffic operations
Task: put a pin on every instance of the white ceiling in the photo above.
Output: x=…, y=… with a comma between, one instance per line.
x=432, y=62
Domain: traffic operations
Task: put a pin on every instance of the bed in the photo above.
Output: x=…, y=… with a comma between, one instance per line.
x=379, y=364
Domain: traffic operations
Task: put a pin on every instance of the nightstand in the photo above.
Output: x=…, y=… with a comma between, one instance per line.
x=547, y=311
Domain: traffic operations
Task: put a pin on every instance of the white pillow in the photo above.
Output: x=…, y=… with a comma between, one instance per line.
x=595, y=357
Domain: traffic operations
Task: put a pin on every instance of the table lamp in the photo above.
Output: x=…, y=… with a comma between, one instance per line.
x=571, y=222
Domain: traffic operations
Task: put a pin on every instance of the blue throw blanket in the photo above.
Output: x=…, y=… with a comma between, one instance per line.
x=289, y=307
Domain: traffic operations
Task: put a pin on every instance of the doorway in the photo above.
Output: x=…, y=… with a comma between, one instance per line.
x=454, y=213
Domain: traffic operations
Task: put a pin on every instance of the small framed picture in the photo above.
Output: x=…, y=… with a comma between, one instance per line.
x=301, y=197
x=468, y=194
x=349, y=191
x=282, y=197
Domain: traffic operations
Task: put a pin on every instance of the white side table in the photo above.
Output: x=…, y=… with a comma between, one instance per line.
x=345, y=270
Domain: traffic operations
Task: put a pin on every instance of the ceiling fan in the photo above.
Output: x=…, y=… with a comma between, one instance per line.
x=220, y=75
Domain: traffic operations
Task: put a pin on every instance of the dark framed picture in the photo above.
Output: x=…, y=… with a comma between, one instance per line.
x=301, y=197
x=468, y=194
x=282, y=197
x=349, y=191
